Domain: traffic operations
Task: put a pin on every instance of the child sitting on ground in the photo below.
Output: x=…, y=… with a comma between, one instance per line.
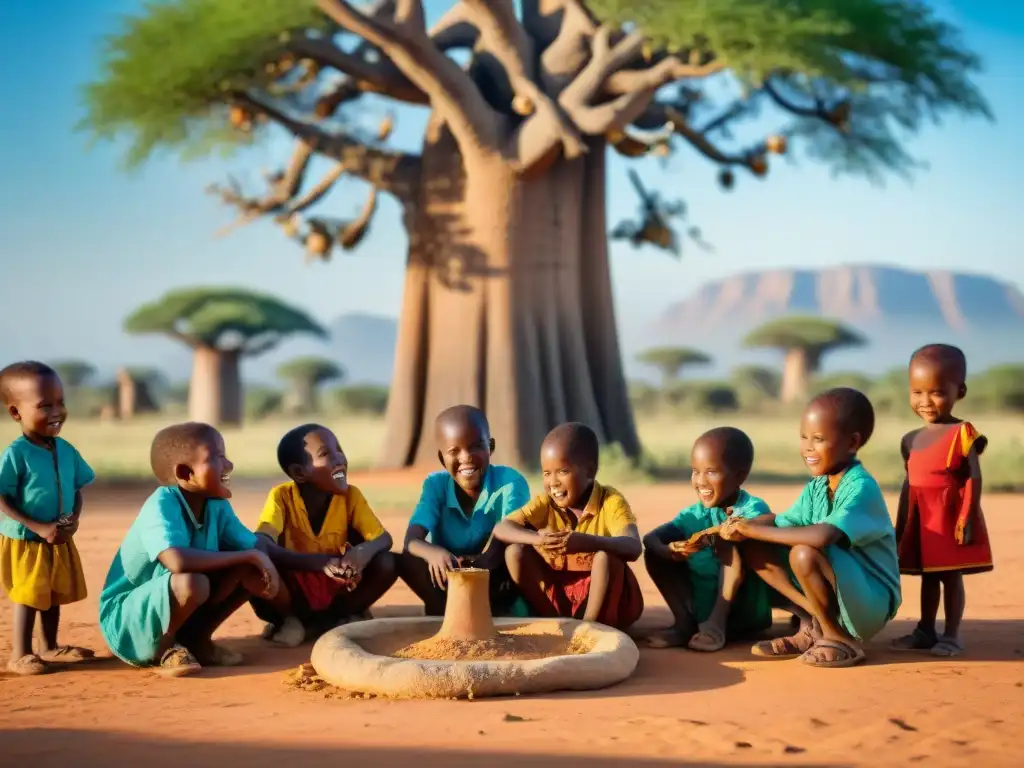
x=41, y=479
x=458, y=508
x=568, y=550
x=187, y=563
x=837, y=560
x=940, y=530
x=318, y=512
x=712, y=597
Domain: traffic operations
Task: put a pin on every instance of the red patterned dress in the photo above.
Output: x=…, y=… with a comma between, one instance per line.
x=943, y=530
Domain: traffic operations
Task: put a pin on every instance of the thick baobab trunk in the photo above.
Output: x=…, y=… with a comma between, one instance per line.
x=797, y=369
x=215, y=392
x=508, y=306
x=303, y=397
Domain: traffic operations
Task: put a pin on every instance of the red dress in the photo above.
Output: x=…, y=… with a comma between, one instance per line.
x=943, y=531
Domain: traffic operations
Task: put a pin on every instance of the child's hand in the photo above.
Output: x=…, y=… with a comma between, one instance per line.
x=355, y=560
x=271, y=578
x=49, y=532
x=68, y=526
x=553, y=542
x=734, y=529
x=680, y=550
x=340, y=572
x=572, y=543
x=439, y=560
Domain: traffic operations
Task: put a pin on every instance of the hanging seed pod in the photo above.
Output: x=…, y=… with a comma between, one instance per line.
x=777, y=145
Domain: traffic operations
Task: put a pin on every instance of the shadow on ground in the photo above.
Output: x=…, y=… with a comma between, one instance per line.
x=43, y=747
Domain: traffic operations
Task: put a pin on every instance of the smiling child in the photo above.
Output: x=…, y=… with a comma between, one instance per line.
x=569, y=549
x=317, y=512
x=712, y=597
x=458, y=508
x=41, y=481
x=833, y=553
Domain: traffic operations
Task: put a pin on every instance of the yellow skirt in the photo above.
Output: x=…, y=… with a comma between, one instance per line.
x=41, y=575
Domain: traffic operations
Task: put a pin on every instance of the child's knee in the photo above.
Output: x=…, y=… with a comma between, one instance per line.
x=608, y=562
x=804, y=560
x=515, y=555
x=190, y=588
x=385, y=565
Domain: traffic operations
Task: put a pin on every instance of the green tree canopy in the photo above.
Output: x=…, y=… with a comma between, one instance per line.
x=813, y=335
x=222, y=318
x=670, y=361
x=875, y=69
x=310, y=370
x=73, y=373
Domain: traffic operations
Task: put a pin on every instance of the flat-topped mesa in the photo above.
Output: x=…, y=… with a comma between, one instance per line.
x=467, y=613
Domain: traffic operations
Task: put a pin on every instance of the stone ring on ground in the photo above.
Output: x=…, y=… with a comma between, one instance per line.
x=540, y=656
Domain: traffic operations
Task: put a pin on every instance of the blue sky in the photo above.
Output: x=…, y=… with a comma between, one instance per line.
x=84, y=243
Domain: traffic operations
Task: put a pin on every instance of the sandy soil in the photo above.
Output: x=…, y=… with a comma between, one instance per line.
x=679, y=708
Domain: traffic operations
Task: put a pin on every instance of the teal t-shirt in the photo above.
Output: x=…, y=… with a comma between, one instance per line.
x=41, y=481
x=135, y=608
x=858, y=510
x=697, y=518
x=504, y=491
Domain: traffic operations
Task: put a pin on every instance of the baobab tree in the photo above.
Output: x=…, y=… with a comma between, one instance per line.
x=508, y=297
x=305, y=376
x=804, y=341
x=671, y=361
x=74, y=373
x=220, y=325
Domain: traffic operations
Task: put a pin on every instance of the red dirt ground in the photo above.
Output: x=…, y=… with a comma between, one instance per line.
x=679, y=708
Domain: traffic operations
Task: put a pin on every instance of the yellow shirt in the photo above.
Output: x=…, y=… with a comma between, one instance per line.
x=607, y=514
x=285, y=514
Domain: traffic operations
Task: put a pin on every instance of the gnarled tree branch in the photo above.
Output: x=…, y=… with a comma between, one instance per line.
x=503, y=35
x=405, y=41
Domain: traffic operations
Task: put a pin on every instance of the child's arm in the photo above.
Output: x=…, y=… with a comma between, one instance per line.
x=48, y=532
x=818, y=536
x=626, y=546
x=903, y=505
x=360, y=556
x=513, y=530
x=291, y=560
x=656, y=542
x=189, y=560
x=972, y=497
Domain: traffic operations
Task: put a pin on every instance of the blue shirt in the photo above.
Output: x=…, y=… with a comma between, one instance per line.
x=697, y=517
x=166, y=522
x=41, y=482
x=503, y=492
x=858, y=510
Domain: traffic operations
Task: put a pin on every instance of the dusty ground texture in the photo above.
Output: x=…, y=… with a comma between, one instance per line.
x=679, y=708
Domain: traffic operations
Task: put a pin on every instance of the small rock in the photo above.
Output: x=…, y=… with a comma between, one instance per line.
x=514, y=719
x=791, y=750
x=743, y=745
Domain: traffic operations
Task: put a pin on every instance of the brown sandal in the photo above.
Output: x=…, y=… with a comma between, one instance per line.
x=785, y=647
x=28, y=665
x=178, y=661
x=63, y=653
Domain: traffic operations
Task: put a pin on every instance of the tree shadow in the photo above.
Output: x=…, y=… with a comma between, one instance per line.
x=43, y=747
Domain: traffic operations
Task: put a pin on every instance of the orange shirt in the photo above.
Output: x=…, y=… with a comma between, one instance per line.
x=284, y=514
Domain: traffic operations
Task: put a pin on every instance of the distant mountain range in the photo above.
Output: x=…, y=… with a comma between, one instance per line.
x=896, y=309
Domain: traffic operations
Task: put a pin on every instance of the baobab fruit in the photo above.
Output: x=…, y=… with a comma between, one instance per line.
x=777, y=145
x=290, y=226
x=318, y=244
x=384, y=129
x=240, y=118
x=726, y=178
x=759, y=165
x=521, y=105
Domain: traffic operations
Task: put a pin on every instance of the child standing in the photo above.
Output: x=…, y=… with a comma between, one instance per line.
x=41, y=479
x=837, y=562
x=568, y=549
x=187, y=563
x=939, y=526
x=710, y=594
x=317, y=512
x=458, y=508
